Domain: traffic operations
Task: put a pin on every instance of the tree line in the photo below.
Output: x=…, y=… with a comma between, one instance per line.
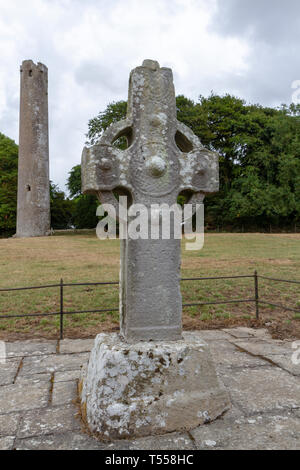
x=259, y=150
x=75, y=210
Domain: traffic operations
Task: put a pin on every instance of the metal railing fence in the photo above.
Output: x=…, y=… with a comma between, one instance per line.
x=256, y=299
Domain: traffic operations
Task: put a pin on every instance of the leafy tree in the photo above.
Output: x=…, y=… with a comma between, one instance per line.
x=259, y=150
x=61, y=208
x=8, y=183
x=259, y=159
x=113, y=113
x=74, y=181
x=84, y=213
x=84, y=205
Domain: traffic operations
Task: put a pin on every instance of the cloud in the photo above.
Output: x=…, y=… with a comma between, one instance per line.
x=271, y=29
x=90, y=47
x=272, y=22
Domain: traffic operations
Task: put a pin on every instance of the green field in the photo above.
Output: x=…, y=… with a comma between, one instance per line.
x=83, y=258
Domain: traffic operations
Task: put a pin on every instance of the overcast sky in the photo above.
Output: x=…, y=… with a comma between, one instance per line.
x=249, y=48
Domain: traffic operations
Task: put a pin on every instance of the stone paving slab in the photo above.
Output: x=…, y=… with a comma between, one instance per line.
x=67, y=376
x=245, y=332
x=261, y=333
x=7, y=443
x=38, y=407
x=222, y=346
x=239, y=332
x=256, y=433
x=81, y=441
x=9, y=424
x=52, y=420
x=30, y=348
x=214, y=335
x=276, y=352
x=33, y=379
x=262, y=389
x=8, y=372
x=226, y=353
x=70, y=346
x=64, y=392
x=66, y=441
x=258, y=347
x=172, y=441
x=237, y=360
x=55, y=363
x=20, y=397
x=284, y=362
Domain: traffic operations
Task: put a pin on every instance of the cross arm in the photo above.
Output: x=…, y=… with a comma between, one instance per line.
x=104, y=167
x=199, y=167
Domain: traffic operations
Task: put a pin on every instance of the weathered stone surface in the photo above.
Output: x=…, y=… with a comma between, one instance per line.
x=163, y=159
x=70, y=346
x=9, y=424
x=8, y=372
x=263, y=389
x=276, y=432
x=218, y=347
x=240, y=427
x=261, y=333
x=30, y=348
x=227, y=356
x=64, y=392
x=245, y=332
x=214, y=335
x=67, y=441
x=33, y=379
x=285, y=362
x=265, y=348
x=7, y=443
x=232, y=360
x=55, y=363
x=118, y=445
x=20, y=397
x=33, y=214
x=150, y=388
x=297, y=412
x=173, y=441
x=230, y=416
x=52, y=420
x=67, y=376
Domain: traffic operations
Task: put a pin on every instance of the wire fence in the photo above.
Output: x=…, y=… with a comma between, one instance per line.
x=257, y=300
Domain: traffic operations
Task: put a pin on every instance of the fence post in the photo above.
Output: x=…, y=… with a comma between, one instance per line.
x=61, y=309
x=256, y=294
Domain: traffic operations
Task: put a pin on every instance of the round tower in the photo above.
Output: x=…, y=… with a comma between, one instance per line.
x=33, y=212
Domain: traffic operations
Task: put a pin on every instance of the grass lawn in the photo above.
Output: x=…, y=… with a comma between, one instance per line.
x=83, y=258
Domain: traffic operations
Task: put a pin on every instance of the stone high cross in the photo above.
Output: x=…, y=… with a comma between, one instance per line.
x=164, y=158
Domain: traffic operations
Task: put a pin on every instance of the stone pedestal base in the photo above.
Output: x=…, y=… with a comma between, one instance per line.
x=149, y=387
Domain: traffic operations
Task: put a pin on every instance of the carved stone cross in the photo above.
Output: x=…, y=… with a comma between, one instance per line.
x=164, y=158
